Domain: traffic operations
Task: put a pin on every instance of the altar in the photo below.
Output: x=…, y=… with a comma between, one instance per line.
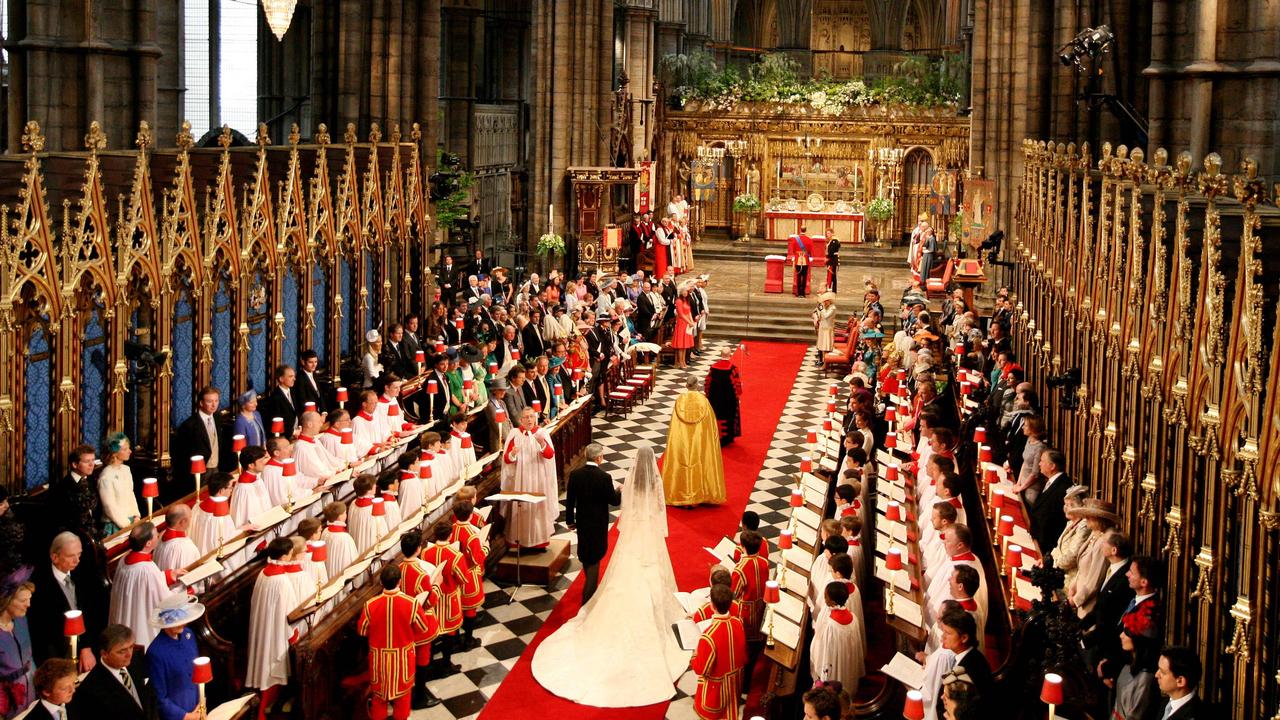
x=782, y=223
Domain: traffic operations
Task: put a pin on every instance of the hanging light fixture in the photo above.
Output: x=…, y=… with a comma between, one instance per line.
x=279, y=15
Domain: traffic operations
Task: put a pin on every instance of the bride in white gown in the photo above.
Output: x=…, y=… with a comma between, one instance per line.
x=619, y=650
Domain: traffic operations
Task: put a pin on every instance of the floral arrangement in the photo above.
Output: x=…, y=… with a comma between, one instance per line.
x=550, y=244
x=774, y=78
x=880, y=209
x=746, y=203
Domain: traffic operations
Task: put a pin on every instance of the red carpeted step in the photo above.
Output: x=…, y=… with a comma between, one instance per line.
x=768, y=372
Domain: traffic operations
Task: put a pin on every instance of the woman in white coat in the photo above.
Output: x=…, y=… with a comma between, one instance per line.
x=824, y=320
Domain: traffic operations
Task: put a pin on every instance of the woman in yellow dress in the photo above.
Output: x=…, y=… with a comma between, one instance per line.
x=692, y=468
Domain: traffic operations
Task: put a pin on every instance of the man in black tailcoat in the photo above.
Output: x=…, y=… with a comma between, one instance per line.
x=589, y=495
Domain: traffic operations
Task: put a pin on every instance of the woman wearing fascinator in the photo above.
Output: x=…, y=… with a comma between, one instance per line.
x=17, y=669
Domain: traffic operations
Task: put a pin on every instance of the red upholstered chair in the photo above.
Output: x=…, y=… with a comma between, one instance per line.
x=839, y=360
x=940, y=278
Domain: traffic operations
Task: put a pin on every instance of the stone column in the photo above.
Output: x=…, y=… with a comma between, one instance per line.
x=639, y=44
x=570, y=110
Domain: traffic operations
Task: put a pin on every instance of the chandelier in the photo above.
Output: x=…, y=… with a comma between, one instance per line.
x=279, y=15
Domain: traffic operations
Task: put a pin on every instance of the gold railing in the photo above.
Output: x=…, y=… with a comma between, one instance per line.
x=1151, y=278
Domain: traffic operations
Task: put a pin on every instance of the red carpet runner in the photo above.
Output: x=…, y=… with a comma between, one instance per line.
x=768, y=373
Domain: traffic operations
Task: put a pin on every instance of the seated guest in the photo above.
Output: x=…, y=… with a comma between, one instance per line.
x=139, y=584
x=55, y=683
x=16, y=663
x=65, y=583
x=248, y=421
x=176, y=550
x=837, y=651
x=1178, y=674
x=115, y=487
x=117, y=682
x=171, y=656
x=342, y=549
x=270, y=633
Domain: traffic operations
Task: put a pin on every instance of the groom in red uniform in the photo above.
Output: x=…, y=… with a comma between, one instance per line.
x=749, y=576
x=718, y=661
x=799, y=254
x=392, y=621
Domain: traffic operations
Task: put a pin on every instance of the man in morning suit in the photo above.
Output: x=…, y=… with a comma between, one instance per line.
x=117, y=682
x=66, y=582
x=1178, y=676
x=960, y=636
x=587, y=500
x=307, y=388
x=283, y=402
x=1114, y=595
x=1047, y=517
x=201, y=435
x=73, y=498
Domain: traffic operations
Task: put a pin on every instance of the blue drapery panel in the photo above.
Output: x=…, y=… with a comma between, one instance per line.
x=223, y=345
x=93, y=390
x=38, y=412
x=289, y=356
x=348, y=306
x=320, y=299
x=184, y=337
x=375, y=290
x=259, y=326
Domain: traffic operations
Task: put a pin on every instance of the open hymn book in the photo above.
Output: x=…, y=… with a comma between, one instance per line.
x=688, y=632
x=906, y=671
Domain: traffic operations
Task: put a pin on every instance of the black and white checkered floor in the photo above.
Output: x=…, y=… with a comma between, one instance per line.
x=505, y=628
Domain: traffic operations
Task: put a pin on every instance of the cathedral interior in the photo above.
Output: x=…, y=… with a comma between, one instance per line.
x=194, y=192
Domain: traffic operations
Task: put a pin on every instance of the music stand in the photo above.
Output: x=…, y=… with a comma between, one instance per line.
x=515, y=590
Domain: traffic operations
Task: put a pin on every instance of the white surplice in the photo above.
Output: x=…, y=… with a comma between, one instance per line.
x=274, y=597
x=838, y=649
x=461, y=457
x=313, y=459
x=366, y=432
x=365, y=529
x=940, y=586
x=936, y=666
x=332, y=441
x=176, y=551
x=443, y=473
x=528, y=466
x=249, y=500
x=137, y=588
x=342, y=548
x=819, y=576
x=412, y=494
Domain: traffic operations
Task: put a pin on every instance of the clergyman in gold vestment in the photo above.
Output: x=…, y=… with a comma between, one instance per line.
x=692, y=469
